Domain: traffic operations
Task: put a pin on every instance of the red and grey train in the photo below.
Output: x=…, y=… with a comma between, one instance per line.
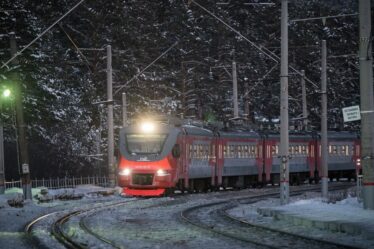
x=157, y=158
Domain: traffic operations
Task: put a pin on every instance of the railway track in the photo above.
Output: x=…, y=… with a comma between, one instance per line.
x=61, y=227
x=214, y=218
x=63, y=236
x=79, y=229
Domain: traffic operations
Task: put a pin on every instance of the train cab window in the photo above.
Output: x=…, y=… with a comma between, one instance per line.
x=145, y=143
x=225, y=151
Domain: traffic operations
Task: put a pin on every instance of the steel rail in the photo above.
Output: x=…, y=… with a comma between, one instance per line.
x=184, y=215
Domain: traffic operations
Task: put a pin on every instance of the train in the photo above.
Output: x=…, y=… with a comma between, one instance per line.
x=156, y=158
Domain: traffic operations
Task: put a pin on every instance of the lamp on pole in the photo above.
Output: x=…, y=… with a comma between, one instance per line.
x=5, y=94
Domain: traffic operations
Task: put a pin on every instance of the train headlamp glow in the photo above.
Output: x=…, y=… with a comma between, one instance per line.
x=147, y=127
x=125, y=172
x=162, y=172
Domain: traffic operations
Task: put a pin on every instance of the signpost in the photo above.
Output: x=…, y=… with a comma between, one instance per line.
x=351, y=113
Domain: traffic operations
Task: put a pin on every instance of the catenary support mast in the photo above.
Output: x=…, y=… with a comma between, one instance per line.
x=111, y=170
x=324, y=154
x=284, y=137
x=367, y=104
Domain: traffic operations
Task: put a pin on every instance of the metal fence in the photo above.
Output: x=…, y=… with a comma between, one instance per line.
x=65, y=182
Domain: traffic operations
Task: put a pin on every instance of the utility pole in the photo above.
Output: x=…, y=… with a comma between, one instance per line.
x=124, y=110
x=111, y=169
x=246, y=102
x=235, y=89
x=21, y=128
x=367, y=104
x=324, y=154
x=284, y=138
x=2, y=169
x=303, y=93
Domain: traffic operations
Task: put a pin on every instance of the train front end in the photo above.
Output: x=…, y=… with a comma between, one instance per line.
x=148, y=159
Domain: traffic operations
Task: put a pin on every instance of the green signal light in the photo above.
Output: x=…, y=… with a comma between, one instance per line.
x=6, y=93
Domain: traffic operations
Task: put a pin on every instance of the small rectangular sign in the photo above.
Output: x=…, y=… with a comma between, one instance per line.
x=351, y=113
x=25, y=168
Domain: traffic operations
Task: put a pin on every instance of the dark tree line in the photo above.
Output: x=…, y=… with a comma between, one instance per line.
x=61, y=82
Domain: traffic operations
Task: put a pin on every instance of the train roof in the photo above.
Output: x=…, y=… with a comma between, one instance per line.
x=341, y=134
x=240, y=134
x=196, y=130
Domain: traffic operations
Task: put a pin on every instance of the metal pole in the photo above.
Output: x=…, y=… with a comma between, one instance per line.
x=284, y=139
x=111, y=169
x=235, y=89
x=2, y=169
x=324, y=154
x=303, y=93
x=246, y=102
x=367, y=104
x=21, y=128
x=124, y=110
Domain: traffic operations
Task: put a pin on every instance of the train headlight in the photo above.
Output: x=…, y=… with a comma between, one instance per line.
x=162, y=172
x=124, y=172
x=147, y=127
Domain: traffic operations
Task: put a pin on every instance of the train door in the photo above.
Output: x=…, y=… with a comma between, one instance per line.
x=213, y=161
x=260, y=160
x=312, y=159
x=356, y=157
x=219, y=161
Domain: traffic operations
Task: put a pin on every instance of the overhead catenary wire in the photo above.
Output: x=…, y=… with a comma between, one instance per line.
x=153, y=62
x=262, y=49
x=76, y=47
x=38, y=37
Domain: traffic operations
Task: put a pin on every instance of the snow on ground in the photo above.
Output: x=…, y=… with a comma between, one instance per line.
x=13, y=220
x=312, y=216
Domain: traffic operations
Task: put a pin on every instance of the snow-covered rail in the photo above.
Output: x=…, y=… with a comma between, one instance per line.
x=214, y=218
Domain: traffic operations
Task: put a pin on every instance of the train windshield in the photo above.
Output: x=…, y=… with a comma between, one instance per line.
x=145, y=143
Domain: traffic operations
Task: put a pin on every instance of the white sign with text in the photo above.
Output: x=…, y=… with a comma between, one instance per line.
x=351, y=113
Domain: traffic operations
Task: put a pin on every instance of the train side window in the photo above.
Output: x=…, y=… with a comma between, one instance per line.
x=245, y=151
x=273, y=150
x=253, y=151
x=213, y=151
x=232, y=151
x=344, y=150
x=303, y=149
x=176, y=151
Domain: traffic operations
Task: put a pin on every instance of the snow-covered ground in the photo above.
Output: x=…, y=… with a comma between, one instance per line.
x=308, y=206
